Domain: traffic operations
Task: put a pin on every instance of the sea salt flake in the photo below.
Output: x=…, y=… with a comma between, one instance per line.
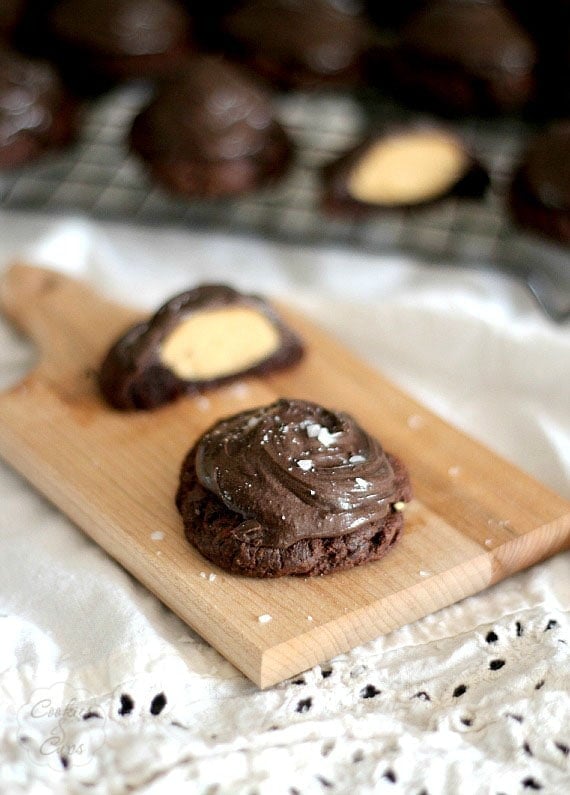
x=211, y=577
x=203, y=403
x=264, y=619
x=454, y=471
x=313, y=430
x=309, y=618
x=239, y=390
x=415, y=422
x=305, y=464
x=326, y=438
x=356, y=459
x=488, y=542
x=361, y=483
x=423, y=573
x=158, y=535
x=203, y=574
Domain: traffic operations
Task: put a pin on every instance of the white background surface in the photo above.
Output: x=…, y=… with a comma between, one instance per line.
x=471, y=345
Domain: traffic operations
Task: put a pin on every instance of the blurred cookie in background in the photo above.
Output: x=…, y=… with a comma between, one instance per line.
x=540, y=191
x=211, y=132
x=465, y=57
x=406, y=167
x=36, y=113
x=548, y=23
x=11, y=14
x=294, y=44
x=99, y=42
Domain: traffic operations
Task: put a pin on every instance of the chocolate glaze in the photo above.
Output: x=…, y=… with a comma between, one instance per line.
x=251, y=462
x=132, y=375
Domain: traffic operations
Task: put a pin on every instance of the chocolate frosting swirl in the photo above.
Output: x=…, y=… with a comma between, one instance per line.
x=296, y=470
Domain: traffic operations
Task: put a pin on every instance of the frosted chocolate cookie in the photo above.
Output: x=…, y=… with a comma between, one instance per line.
x=200, y=339
x=291, y=488
x=36, y=113
x=11, y=13
x=120, y=38
x=540, y=191
x=298, y=44
x=404, y=168
x=465, y=56
x=211, y=133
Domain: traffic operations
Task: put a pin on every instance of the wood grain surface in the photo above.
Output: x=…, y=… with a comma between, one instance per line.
x=476, y=518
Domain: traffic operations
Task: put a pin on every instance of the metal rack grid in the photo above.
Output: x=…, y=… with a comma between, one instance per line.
x=98, y=177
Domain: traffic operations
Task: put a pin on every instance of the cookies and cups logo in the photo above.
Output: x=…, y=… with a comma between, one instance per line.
x=61, y=726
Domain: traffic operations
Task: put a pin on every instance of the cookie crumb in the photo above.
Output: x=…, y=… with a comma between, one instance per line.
x=158, y=535
x=264, y=619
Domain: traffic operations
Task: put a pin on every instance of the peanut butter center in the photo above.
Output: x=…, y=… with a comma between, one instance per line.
x=408, y=168
x=219, y=342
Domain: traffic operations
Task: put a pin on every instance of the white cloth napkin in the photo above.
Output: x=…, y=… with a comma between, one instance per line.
x=104, y=690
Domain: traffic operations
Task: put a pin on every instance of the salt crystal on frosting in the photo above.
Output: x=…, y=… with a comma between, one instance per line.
x=327, y=438
x=305, y=464
x=313, y=430
x=361, y=483
x=356, y=459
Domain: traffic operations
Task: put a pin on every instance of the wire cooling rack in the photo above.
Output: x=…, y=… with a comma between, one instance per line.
x=98, y=177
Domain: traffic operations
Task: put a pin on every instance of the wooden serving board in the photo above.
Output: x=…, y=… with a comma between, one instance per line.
x=475, y=520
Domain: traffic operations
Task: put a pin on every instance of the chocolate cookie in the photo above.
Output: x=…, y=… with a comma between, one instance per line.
x=200, y=339
x=548, y=24
x=119, y=39
x=540, y=191
x=36, y=114
x=11, y=14
x=211, y=133
x=409, y=166
x=465, y=56
x=298, y=44
x=291, y=488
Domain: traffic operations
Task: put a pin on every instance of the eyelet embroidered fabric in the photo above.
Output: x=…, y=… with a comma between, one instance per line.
x=105, y=691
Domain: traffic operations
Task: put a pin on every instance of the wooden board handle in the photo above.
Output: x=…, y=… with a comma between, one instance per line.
x=62, y=317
